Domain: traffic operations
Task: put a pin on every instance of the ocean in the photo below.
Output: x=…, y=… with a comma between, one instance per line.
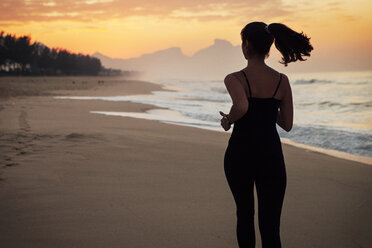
x=332, y=110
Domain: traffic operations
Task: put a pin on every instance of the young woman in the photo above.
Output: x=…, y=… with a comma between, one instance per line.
x=261, y=98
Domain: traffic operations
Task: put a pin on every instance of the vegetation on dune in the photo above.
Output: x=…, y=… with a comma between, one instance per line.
x=18, y=56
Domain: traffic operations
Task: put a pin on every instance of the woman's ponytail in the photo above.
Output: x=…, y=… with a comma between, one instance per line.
x=292, y=45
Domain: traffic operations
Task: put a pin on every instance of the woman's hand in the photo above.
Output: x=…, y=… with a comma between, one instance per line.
x=225, y=121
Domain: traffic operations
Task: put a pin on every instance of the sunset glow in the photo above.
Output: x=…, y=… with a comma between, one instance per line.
x=129, y=28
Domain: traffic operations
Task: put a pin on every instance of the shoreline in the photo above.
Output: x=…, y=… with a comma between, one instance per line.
x=330, y=152
x=166, y=87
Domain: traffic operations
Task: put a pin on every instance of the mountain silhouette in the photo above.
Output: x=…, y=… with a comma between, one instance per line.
x=210, y=63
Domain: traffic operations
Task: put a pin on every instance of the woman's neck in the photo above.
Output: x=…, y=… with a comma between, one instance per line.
x=256, y=62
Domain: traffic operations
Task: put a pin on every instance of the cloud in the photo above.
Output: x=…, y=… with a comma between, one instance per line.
x=101, y=10
x=346, y=17
x=334, y=5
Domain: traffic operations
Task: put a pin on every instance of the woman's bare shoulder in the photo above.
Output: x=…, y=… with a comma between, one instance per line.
x=285, y=79
x=232, y=76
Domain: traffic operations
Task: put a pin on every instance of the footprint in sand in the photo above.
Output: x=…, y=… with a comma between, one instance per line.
x=11, y=164
x=22, y=121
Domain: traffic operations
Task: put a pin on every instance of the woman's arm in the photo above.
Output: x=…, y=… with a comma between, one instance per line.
x=285, y=112
x=238, y=97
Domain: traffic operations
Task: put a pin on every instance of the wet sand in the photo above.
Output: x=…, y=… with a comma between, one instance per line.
x=69, y=178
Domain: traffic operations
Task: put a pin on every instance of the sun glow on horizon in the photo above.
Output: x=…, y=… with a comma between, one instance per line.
x=124, y=29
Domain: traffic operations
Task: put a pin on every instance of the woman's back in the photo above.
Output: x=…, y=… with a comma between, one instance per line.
x=261, y=116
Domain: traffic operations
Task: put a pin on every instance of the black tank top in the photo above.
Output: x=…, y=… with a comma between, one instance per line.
x=260, y=118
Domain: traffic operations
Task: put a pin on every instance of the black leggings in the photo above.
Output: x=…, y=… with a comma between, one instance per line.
x=269, y=174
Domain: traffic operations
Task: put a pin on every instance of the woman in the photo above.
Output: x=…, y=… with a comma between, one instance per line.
x=261, y=98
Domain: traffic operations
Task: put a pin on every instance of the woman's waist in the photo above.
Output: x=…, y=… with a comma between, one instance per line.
x=264, y=134
x=255, y=139
x=255, y=130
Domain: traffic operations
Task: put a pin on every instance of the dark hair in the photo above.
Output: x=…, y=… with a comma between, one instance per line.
x=292, y=45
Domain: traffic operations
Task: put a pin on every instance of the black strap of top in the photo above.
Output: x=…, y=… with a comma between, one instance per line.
x=277, y=87
x=249, y=87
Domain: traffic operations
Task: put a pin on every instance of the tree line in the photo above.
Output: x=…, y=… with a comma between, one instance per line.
x=18, y=56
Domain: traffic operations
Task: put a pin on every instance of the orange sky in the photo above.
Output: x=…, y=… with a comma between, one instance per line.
x=129, y=28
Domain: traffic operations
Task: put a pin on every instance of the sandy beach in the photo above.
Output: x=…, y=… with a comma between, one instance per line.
x=70, y=178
